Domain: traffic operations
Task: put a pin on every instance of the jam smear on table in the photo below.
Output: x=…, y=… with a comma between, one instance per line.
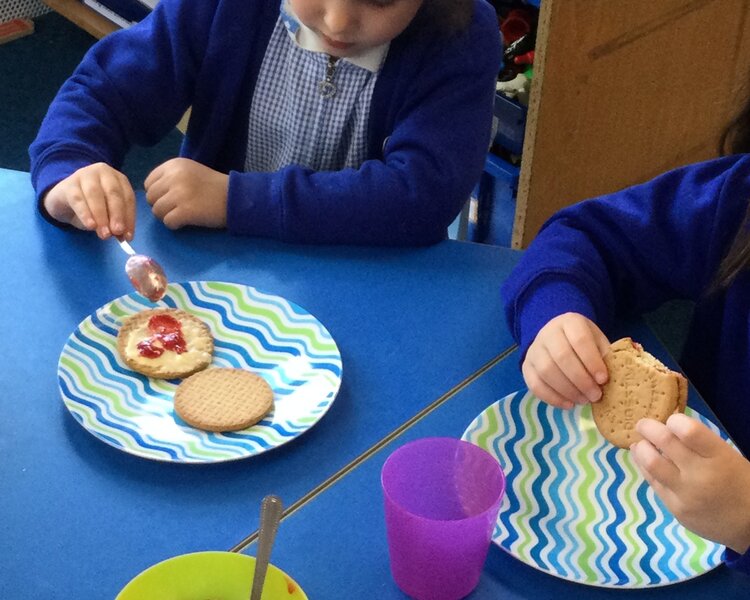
x=166, y=335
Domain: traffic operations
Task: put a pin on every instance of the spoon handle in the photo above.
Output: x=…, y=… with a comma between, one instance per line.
x=270, y=514
x=126, y=247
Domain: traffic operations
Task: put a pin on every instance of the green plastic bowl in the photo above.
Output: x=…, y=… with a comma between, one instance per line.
x=208, y=576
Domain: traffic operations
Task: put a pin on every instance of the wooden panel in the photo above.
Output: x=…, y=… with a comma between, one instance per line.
x=98, y=26
x=83, y=16
x=623, y=91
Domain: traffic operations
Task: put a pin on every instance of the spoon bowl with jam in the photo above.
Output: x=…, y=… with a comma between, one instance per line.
x=145, y=274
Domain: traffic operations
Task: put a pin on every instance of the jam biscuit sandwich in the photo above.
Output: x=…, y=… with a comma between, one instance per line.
x=639, y=386
x=222, y=399
x=165, y=343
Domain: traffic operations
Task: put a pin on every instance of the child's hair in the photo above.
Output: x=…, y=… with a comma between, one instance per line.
x=736, y=140
x=736, y=137
x=737, y=258
x=448, y=17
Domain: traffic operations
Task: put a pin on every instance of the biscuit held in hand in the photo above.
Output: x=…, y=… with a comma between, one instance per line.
x=639, y=386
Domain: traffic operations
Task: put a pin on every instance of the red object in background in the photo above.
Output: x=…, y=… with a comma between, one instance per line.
x=515, y=24
x=525, y=59
x=14, y=29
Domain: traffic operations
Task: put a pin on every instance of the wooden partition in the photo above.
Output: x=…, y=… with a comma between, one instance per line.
x=83, y=16
x=624, y=90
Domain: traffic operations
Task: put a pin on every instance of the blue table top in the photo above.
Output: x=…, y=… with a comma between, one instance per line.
x=80, y=518
x=335, y=545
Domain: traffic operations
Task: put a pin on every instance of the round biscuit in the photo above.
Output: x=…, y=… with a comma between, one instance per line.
x=200, y=345
x=223, y=399
x=634, y=392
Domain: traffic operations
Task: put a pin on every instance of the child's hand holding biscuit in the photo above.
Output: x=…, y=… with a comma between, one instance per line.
x=564, y=365
x=701, y=479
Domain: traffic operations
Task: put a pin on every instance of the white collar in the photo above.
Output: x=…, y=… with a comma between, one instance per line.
x=307, y=39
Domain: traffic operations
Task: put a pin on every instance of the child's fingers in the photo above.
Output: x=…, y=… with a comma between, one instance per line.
x=97, y=203
x=695, y=435
x=571, y=367
x=546, y=366
x=76, y=222
x=174, y=219
x=597, y=367
x=660, y=473
x=129, y=196
x=152, y=177
x=155, y=184
x=111, y=186
x=585, y=366
x=156, y=191
x=163, y=206
x=666, y=442
x=543, y=391
x=82, y=213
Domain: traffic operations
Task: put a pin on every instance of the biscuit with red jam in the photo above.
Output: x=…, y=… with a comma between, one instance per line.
x=165, y=343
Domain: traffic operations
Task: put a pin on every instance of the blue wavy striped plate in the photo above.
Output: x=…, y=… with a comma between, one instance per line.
x=252, y=330
x=576, y=506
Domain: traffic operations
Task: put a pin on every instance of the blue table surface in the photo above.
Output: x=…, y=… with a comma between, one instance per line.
x=80, y=518
x=335, y=545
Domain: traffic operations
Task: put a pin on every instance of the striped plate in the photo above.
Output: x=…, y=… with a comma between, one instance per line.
x=576, y=506
x=263, y=333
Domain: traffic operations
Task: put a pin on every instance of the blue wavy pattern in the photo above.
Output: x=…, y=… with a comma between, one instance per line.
x=592, y=520
x=275, y=338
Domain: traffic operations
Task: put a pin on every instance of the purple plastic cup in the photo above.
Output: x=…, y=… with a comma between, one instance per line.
x=442, y=498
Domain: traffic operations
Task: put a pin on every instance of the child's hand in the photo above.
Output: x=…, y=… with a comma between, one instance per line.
x=563, y=365
x=184, y=192
x=96, y=198
x=702, y=480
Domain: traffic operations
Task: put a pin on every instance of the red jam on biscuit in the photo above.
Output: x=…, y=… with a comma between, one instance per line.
x=167, y=335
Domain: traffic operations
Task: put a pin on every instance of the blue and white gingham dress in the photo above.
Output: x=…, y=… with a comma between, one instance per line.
x=292, y=123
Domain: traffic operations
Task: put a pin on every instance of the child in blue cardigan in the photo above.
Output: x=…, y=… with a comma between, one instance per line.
x=686, y=234
x=315, y=121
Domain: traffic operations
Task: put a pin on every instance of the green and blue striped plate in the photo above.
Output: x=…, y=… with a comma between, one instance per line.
x=252, y=330
x=576, y=506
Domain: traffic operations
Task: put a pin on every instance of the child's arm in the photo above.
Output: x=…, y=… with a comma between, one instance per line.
x=630, y=251
x=437, y=133
x=703, y=481
x=131, y=88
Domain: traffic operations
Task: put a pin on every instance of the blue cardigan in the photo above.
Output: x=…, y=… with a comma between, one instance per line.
x=630, y=251
x=429, y=125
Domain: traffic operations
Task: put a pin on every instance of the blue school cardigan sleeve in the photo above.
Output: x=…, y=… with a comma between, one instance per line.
x=629, y=251
x=430, y=125
x=130, y=88
x=740, y=562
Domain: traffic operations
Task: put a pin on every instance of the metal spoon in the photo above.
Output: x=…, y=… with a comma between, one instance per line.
x=145, y=274
x=270, y=514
